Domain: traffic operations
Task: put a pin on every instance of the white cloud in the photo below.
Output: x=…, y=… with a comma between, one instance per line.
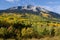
x=12, y=0
x=54, y=8
x=54, y=2
x=48, y=8
x=57, y=9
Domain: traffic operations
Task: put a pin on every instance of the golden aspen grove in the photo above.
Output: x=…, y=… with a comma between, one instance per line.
x=24, y=26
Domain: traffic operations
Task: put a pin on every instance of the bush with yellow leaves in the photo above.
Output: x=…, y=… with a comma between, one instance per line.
x=27, y=32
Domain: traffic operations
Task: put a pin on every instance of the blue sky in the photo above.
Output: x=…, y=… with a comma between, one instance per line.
x=52, y=5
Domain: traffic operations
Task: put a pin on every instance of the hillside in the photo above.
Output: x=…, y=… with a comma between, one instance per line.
x=37, y=10
x=20, y=23
x=26, y=26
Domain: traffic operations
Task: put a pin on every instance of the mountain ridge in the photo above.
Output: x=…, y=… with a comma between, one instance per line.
x=30, y=9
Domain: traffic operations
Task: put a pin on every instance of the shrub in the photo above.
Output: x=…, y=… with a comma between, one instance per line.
x=57, y=31
x=27, y=32
x=3, y=31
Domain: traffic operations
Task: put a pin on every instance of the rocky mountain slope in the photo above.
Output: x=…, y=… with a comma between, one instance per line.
x=32, y=10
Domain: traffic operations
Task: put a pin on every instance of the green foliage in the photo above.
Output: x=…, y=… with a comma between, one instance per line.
x=3, y=30
x=27, y=25
x=27, y=32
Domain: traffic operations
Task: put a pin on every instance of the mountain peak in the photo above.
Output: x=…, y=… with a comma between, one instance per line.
x=30, y=9
x=26, y=7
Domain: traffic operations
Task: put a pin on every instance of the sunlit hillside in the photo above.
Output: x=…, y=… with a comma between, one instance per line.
x=22, y=26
